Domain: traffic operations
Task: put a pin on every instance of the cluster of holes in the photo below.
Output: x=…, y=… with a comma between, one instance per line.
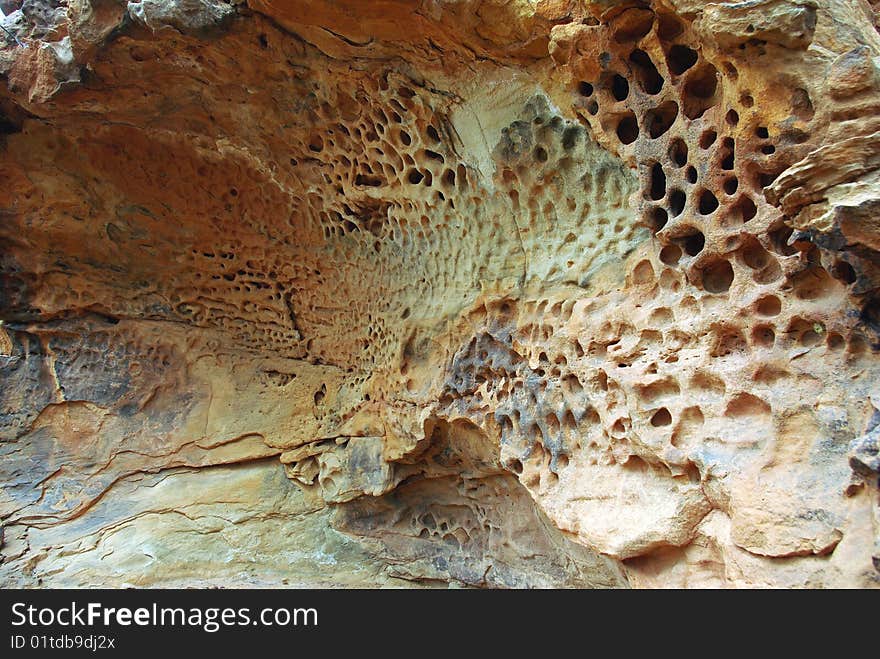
x=559, y=184
x=382, y=151
x=448, y=529
x=703, y=162
x=705, y=159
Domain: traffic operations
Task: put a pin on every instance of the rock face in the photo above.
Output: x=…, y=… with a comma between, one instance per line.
x=492, y=293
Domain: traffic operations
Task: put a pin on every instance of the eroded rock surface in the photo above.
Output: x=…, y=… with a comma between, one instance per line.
x=519, y=294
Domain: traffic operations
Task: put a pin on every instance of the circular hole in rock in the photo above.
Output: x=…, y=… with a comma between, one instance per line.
x=670, y=254
x=699, y=90
x=810, y=338
x=569, y=137
x=768, y=306
x=844, y=272
x=745, y=208
x=659, y=218
x=650, y=78
x=707, y=138
x=694, y=243
x=835, y=341
x=708, y=203
x=755, y=256
x=779, y=239
x=660, y=119
x=681, y=58
x=727, y=153
x=677, y=201
x=668, y=27
x=678, y=152
x=661, y=417
x=764, y=336
x=718, y=277
x=633, y=25
x=643, y=273
x=619, y=87
x=658, y=182
x=628, y=129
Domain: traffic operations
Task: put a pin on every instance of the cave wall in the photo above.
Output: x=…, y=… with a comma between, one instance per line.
x=519, y=294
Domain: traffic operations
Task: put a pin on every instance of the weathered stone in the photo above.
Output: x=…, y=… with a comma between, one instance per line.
x=864, y=451
x=788, y=23
x=44, y=15
x=9, y=6
x=509, y=294
x=91, y=22
x=186, y=15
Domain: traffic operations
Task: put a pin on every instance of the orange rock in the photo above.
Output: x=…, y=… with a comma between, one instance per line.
x=519, y=294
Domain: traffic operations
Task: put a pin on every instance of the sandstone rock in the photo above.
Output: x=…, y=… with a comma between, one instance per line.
x=864, y=451
x=91, y=22
x=44, y=15
x=852, y=73
x=505, y=294
x=784, y=22
x=15, y=26
x=181, y=14
x=9, y=6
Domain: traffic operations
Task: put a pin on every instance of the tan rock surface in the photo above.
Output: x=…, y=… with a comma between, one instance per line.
x=495, y=293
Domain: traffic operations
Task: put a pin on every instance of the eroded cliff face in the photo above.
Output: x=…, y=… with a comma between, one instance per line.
x=487, y=293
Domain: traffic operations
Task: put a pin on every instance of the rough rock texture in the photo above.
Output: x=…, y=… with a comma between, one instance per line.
x=476, y=292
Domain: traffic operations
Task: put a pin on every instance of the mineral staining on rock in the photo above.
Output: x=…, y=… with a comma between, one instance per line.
x=517, y=294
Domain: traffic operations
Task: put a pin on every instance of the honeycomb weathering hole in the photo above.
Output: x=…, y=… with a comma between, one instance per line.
x=718, y=277
x=694, y=243
x=628, y=128
x=644, y=69
x=678, y=152
x=661, y=118
x=681, y=58
x=619, y=87
x=677, y=201
x=658, y=182
x=708, y=203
